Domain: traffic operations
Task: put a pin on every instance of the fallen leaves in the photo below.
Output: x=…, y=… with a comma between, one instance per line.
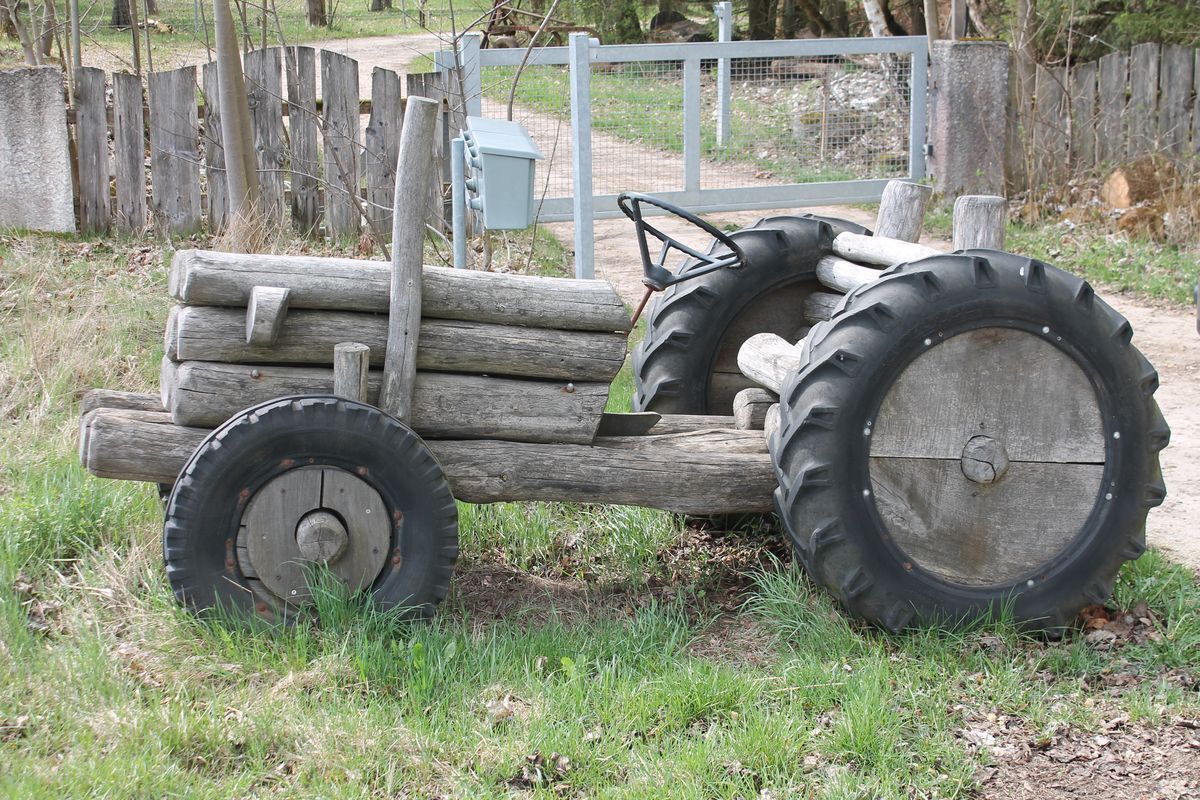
x=1106, y=628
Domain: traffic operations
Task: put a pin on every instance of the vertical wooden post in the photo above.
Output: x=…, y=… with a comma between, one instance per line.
x=902, y=210
x=408, y=237
x=382, y=146
x=214, y=151
x=91, y=145
x=302, y=128
x=979, y=222
x=174, y=150
x=351, y=364
x=129, y=152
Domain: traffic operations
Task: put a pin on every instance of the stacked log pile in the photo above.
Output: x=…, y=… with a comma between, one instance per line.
x=499, y=356
x=856, y=260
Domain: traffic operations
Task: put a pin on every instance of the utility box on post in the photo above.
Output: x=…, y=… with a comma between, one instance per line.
x=501, y=159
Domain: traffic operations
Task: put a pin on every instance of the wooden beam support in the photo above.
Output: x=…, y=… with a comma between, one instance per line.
x=879, y=250
x=979, y=222
x=767, y=359
x=265, y=313
x=750, y=408
x=902, y=210
x=351, y=365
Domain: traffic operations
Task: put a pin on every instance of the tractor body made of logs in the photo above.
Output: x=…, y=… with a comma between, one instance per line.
x=943, y=435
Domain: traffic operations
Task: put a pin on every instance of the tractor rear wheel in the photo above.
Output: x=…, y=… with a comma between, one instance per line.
x=687, y=362
x=969, y=435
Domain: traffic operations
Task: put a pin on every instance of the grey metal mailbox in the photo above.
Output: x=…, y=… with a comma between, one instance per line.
x=501, y=158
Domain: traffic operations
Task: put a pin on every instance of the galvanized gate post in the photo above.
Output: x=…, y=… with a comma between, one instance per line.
x=468, y=56
x=917, y=101
x=724, y=12
x=691, y=126
x=581, y=153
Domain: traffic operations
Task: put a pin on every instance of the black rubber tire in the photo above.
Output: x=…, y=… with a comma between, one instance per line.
x=261, y=443
x=848, y=365
x=687, y=324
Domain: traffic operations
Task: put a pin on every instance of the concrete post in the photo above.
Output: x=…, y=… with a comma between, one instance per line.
x=968, y=117
x=35, y=165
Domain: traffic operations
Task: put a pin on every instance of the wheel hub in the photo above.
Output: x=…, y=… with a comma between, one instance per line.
x=320, y=517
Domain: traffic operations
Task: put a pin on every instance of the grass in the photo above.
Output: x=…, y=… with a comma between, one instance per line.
x=585, y=651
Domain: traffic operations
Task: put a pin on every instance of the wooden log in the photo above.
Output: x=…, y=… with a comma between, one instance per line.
x=690, y=423
x=129, y=153
x=351, y=366
x=979, y=222
x=264, y=317
x=771, y=422
x=111, y=398
x=1111, y=138
x=902, y=210
x=1083, y=116
x=750, y=408
x=206, y=277
x=1175, y=85
x=768, y=360
x=339, y=132
x=1143, y=98
x=264, y=94
x=408, y=237
x=879, y=250
x=703, y=472
x=381, y=146
x=305, y=166
x=204, y=333
x=214, y=152
x=445, y=405
x=844, y=276
x=167, y=370
x=174, y=151
x=91, y=147
x=819, y=306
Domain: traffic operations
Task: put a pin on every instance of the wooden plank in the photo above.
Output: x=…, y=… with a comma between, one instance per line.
x=264, y=94
x=208, y=277
x=1175, y=97
x=1013, y=386
x=1083, y=116
x=205, y=333
x=382, y=146
x=174, y=151
x=430, y=86
x=110, y=398
x=129, y=153
x=703, y=472
x=819, y=306
x=770, y=312
x=979, y=534
x=91, y=147
x=445, y=405
x=214, y=153
x=340, y=134
x=1143, y=98
x=1050, y=126
x=689, y=423
x=304, y=163
x=724, y=386
x=1111, y=136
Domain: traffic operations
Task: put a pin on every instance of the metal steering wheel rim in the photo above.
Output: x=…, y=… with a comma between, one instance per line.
x=657, y=276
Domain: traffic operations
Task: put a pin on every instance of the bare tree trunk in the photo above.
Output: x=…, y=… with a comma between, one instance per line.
x=761, y=22
x=120, y=14
x=875, y=18
x=314, y=11
x=31, y=56
x=237, y=140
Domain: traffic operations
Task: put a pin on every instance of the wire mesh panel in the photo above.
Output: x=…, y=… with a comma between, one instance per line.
x=542, y=104
x=807, y=119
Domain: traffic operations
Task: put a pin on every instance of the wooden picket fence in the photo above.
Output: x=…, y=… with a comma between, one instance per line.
x=316, y=164
x=1113, y=110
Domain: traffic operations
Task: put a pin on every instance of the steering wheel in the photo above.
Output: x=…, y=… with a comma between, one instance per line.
x=656, y=276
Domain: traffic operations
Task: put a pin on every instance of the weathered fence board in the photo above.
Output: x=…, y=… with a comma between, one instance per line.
x=264, y=93
x=302, y=130
x=430, y=85
x=1175, y=90
x=214, y=153
x=1050, y=134
x=1196, y=105
x=1143, y=97
x=91, y=147
x=129, y=153
x=1110, y=121
x=1083, y=116
x=174, y=151
x=382, y=146
x=339, y=88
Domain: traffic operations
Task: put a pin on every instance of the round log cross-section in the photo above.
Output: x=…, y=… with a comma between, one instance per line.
x=321, y=537
x=984, y=460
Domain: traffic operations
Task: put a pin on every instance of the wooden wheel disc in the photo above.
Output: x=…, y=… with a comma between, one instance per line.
x=987, y=455
x=314, y=515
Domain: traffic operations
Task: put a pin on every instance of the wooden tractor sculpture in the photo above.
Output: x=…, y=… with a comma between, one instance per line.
x=952, y=435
